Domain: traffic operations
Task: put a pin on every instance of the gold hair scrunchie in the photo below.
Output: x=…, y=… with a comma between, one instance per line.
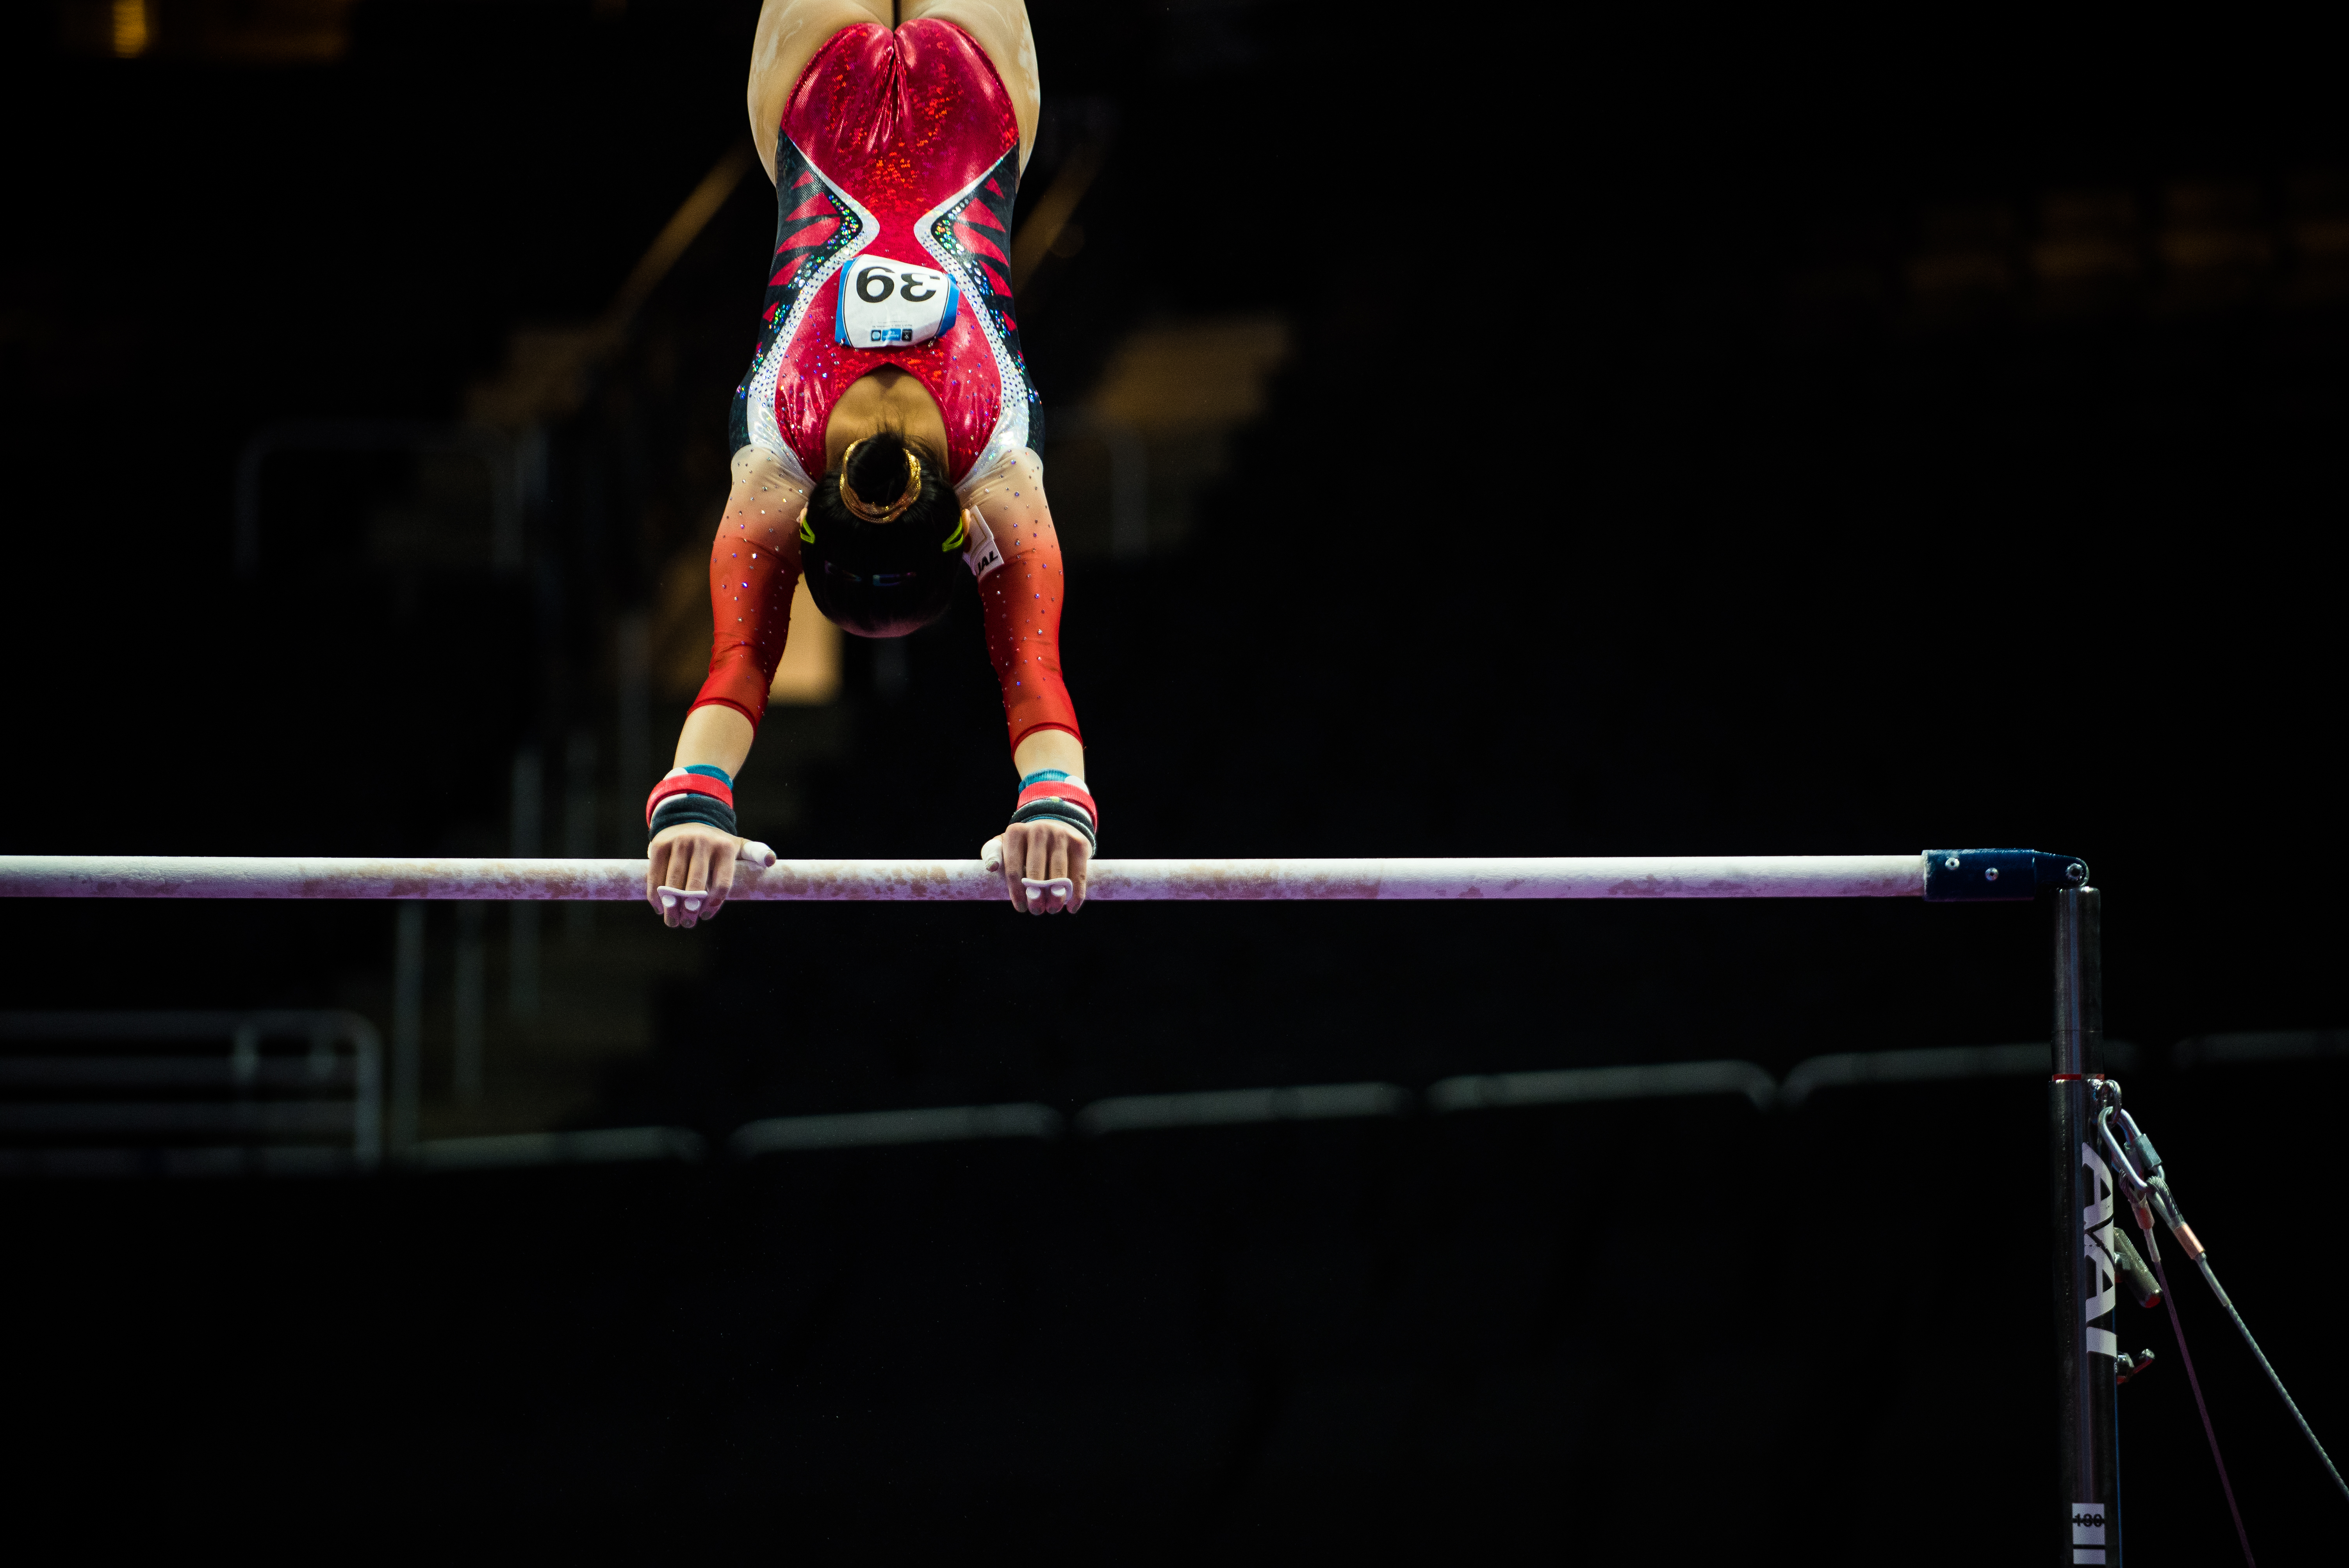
x=867, y=510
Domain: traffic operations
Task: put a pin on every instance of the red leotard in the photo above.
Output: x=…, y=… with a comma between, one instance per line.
x=902, y=144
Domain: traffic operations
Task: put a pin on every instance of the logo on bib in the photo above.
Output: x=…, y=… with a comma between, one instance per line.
x=885, y=304
x=981, y=553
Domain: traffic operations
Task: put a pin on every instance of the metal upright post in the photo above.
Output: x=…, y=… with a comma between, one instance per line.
x=2081, y=1213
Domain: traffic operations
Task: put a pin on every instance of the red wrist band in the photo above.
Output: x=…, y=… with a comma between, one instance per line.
x=687, y=784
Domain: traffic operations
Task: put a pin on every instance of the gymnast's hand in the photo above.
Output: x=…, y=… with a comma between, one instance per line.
x=696, y=857
x=1044, y=852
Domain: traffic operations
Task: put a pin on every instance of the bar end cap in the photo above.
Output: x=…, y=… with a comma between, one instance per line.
x=1997, y=876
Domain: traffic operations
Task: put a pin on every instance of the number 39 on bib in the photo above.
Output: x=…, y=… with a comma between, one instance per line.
x=889, y=304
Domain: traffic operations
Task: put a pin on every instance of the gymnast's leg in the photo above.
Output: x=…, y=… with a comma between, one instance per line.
x=1001, y=29
x=789, y=33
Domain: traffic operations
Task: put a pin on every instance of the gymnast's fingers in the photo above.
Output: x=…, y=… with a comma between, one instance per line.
x=661, y=860
x=1081, y=856
x=1056, y=901
x=721, y=879
x=696, y=883
x=1037, y=865
x=1015, y=864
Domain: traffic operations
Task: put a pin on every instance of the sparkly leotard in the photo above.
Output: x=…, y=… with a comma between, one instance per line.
x=900, y=144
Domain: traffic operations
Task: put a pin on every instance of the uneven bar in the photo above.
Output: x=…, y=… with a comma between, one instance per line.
x=621, y=881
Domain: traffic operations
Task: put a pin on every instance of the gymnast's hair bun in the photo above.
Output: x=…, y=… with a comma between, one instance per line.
x=874, y=578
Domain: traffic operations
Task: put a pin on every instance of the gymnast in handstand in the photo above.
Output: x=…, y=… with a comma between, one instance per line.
x=884, y=436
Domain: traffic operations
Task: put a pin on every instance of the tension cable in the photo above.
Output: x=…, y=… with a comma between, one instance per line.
x=2145, y=1187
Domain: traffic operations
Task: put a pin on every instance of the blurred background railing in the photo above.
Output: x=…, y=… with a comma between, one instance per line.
x=251, y=1110
x=190, y=1094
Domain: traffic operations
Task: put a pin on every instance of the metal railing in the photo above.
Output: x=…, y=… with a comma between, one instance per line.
x=191, y=1093
x=1446, y=1097
x=1117, y=1114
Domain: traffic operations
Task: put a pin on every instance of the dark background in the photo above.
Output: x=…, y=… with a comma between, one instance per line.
x=1689, y=447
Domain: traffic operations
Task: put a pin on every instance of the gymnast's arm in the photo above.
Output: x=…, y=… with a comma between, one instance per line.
x=754, y=566
x=1020, y=604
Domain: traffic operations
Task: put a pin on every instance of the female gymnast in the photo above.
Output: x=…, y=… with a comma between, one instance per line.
x=883, y=439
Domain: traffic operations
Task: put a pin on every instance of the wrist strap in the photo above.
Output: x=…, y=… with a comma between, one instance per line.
x=1067, y=813
x=699, y=793
x=1053, y=784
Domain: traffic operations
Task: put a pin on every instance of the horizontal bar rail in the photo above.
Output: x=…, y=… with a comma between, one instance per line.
x=621, y=881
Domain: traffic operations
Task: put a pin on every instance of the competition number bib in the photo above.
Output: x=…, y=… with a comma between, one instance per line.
x=889, y=304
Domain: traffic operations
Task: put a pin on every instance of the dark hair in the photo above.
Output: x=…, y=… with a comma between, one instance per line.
x=883, y=579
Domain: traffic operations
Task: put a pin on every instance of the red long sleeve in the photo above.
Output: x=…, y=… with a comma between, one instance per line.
x=1021, y=601
x=751, y=579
